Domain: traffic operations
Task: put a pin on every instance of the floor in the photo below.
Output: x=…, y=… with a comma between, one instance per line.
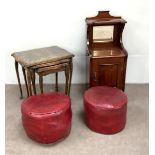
x=133, y=140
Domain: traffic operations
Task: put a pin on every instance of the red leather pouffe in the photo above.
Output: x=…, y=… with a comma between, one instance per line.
x=105, y=109
x=47, y=117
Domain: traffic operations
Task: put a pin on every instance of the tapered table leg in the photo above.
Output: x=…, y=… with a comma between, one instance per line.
x=70, y=75
x=67, y=78
x=33, y=81
x=18, y=78
x=41, y=83
x=56, y=81
x=25, y=79
x=29, y=81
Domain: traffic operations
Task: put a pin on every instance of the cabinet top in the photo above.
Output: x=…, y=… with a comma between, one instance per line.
x=104, y=18
x=107, y=52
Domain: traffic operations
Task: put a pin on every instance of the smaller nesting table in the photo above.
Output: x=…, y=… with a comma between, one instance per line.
x=105, y=109
x=43, y=61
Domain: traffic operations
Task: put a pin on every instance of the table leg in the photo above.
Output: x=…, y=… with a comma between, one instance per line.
x=23, y=69
x=18, y=78
x=41, y=83
x=67, y=78
x=56, y=81
x=29, y=81
x=33, y=81
x=70, y=75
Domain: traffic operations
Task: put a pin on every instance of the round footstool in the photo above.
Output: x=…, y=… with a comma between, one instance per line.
x=105, y=109
x=47, y=117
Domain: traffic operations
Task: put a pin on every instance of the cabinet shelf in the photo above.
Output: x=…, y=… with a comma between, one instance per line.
x=107, y=52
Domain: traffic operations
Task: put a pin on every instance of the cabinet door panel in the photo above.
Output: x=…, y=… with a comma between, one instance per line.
x=108, y=74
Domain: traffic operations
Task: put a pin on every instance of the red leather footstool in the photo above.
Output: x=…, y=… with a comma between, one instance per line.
x=105, y=109
x=47, y=117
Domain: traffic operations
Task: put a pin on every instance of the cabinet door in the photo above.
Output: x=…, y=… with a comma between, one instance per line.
x=108, y=74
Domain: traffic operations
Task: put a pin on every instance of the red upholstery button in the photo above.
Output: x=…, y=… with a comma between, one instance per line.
x=105, y=109
x=47, y=117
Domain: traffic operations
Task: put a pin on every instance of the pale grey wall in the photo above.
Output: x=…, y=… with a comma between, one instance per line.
x=33, y=24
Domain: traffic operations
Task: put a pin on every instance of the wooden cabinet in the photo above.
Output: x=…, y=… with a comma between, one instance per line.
x=106, y=56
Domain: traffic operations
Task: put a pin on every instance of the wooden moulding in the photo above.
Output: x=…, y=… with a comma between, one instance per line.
x=104, y=17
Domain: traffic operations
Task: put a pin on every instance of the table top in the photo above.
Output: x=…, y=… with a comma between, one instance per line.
x=41, y=55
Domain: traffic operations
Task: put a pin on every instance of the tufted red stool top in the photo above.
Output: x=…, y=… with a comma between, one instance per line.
x=44, y=104
x=105, y=97
x=47, y=117
x=105, y=109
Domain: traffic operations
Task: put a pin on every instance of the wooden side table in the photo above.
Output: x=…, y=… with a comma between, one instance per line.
x=43, y=61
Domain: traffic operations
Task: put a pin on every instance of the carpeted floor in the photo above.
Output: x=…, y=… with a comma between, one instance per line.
x=133, y=140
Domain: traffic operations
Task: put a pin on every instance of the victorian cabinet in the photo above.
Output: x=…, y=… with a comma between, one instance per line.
x=106, y=56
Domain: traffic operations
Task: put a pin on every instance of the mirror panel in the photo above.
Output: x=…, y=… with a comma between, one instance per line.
x=103, y=33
